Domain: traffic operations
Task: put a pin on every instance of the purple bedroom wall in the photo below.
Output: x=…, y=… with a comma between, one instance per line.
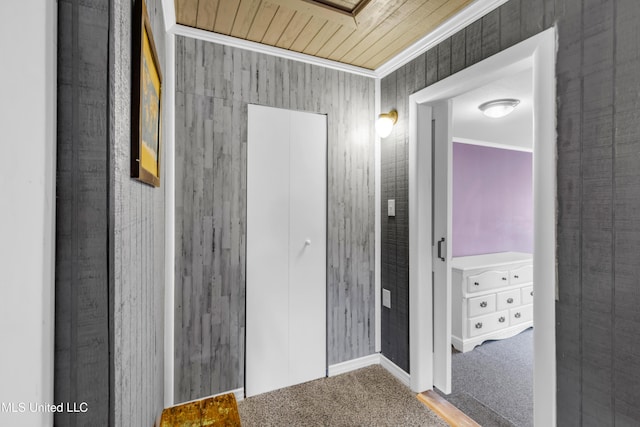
x=492, y=200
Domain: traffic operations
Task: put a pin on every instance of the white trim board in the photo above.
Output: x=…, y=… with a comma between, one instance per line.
x=238, y=392
x=538, y=53
x=466, y=16
x=378, y=225
x=395, y=370
x=491, y=144
x=169, y=214
x=372, y=359
x=353, y=364
x=460, y=20
x=209, y=36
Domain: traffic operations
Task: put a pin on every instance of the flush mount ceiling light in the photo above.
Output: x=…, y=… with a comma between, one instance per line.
x=499, y=107
x=385, y=123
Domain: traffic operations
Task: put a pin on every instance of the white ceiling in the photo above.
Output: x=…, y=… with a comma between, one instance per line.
x=516, y=129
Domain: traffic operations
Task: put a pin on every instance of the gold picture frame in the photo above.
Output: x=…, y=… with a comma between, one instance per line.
x=146, y=105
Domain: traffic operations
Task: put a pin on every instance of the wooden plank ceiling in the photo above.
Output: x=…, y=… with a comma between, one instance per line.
x=364, y=33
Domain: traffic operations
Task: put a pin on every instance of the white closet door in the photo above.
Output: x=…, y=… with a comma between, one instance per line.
x=307, y=265
x=286, y=249
x=267, y=293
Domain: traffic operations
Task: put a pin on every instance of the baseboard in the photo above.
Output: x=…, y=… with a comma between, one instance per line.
x=372, y=359
x=353, y=364
x=396, y=371
x=238, y=392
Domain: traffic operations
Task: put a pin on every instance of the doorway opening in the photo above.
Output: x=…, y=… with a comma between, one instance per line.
x=430, y=252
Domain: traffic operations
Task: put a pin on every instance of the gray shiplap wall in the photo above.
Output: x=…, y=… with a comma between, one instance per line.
x=137, y=243
x=214, y=84
x=598, y=231
x=110, y=229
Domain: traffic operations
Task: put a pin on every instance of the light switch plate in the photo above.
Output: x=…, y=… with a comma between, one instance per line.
x=386, y=298
x=391, y=207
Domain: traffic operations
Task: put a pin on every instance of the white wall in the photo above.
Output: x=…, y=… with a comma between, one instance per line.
x=27, y=207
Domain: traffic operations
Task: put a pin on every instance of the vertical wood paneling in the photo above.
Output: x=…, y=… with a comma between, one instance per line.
x=82, y=269
x=444, y=59
x=491, y=33
x=110, y=236
x=136, y=246
x=597, y=213
x=598, y=234
x=473, y=43
x=211, y=129
x=458, y=53
x=510, y=23
x=627, y=203
x=569, y=235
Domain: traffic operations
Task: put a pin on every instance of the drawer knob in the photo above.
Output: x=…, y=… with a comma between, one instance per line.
x=476, y=283
x=478, y=325
x=504, y=278
x=517, y=315
x=501, y=319
x=510, y=301
x=515, y=276
x=483, y=304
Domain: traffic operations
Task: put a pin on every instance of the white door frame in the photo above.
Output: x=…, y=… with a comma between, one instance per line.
x=536, y=53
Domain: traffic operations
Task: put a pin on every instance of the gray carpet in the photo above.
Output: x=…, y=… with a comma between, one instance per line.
x=366, y=397
x=493, y=384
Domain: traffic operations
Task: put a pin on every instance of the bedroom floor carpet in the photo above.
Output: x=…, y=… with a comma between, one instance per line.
x=493, y=383
x=370, y=396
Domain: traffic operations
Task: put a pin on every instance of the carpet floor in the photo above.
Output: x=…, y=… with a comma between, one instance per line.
x=370, y=396
x=493, y=383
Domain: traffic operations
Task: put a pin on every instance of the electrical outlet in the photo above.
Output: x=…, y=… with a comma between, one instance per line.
x=386, y=298
x=391, y=207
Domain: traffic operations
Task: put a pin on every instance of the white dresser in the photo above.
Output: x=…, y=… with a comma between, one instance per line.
x=492, y=297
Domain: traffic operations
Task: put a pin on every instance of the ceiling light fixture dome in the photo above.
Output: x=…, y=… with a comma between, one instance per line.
x=498, y=107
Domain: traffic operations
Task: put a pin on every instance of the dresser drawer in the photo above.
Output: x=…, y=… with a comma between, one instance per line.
x=508, y=299
x=521, y=275
x=481, y=305
x=487, y=280
x=527, y=295
x=521, y=314
x=488, y=323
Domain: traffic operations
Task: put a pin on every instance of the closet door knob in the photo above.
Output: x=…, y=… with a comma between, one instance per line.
x=307, y=242
x=483, y=304
x=501, y=319
x=510, y=301
x=478, y=325
x=531, y=293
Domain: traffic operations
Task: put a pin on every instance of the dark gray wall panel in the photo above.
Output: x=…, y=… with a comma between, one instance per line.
x=81, y=300
x=214, y=85
x=110, y=229
x=626, y=298
x=598, y=233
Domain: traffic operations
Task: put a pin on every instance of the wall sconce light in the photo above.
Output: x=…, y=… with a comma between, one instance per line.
x=499, y=107
x=385, y=123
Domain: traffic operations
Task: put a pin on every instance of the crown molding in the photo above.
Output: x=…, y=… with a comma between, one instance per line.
x=169, y=13
x=209, y=36
x=466, y=16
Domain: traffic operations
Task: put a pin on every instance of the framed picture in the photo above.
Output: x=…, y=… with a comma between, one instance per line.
x=146, y=105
